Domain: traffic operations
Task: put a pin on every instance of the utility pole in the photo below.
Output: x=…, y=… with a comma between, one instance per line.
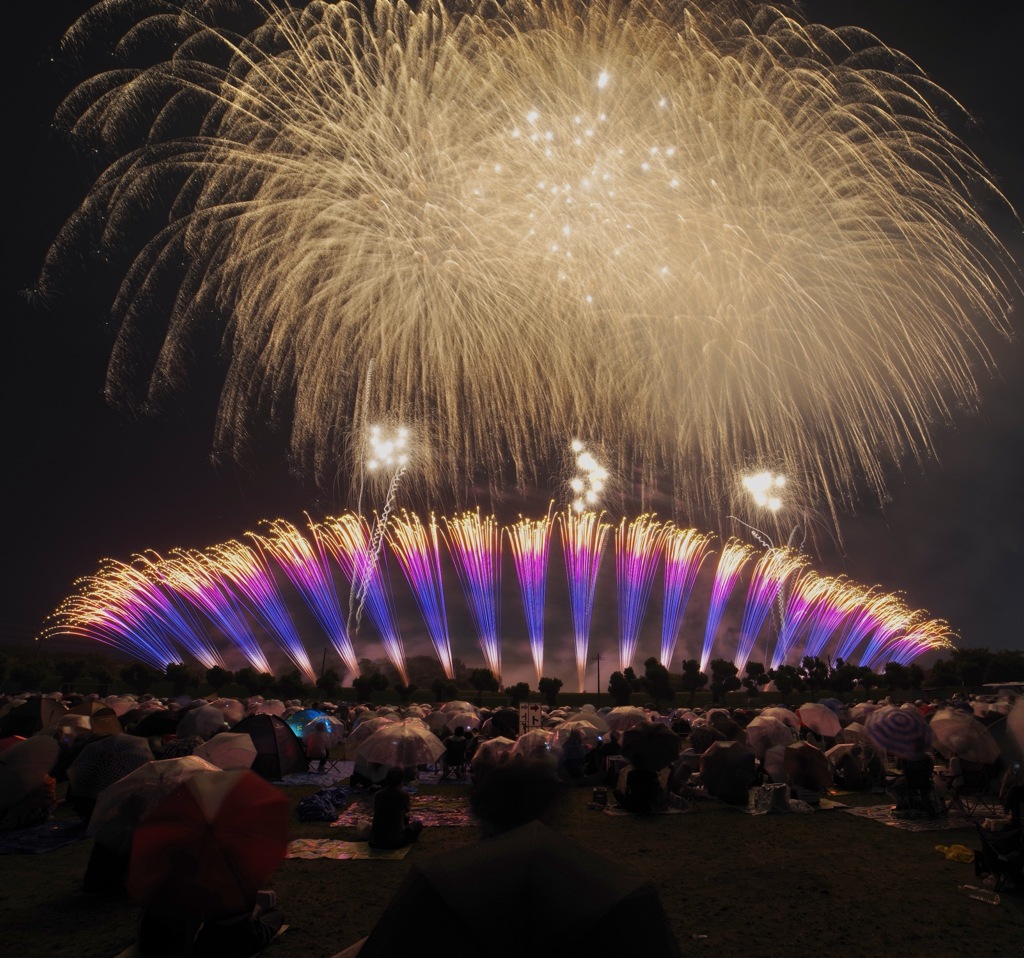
x=597, y=659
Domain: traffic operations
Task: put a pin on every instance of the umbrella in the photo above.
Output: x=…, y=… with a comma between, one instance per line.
x=228, y=750
x=807, y=767
x=838, y=752
x=783, y=715
x=820, y=719
x=704, y=736
x=436, y=720
x=727, y=770
x=24, y=766
x=900, y=732
x=957, y=733
x=505, y=722
x=233, y=709
x=210, y=845
x=536, y=741
x=102, y=718
x=589, y=714
x=464, y=720
x=365, y=729
x=457, y=706
x=205, y=721
x=765, y=731
x=401, y=745
x=585, y=727
x=104, y=761
x=652, y=743
x=121, y=805
x=625, y=716
x=492, y=752
x=856, y=734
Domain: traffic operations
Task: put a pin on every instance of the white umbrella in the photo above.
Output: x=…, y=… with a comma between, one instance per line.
x=624, y=717
x=820, y=719
x=402, y=745
x=957, y=733
x=227, y=750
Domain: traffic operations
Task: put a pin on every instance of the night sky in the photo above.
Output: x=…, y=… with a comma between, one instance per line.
x=85, y=481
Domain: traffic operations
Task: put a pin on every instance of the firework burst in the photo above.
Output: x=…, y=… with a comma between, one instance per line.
x=713, y=234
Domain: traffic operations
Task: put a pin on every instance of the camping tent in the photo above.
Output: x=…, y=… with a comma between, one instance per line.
x=279, y=751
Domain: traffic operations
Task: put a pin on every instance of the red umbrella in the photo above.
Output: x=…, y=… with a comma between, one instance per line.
x=210, y=845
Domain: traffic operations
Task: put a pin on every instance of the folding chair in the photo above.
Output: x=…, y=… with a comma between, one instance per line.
x=973, y=789
x=1001, y=856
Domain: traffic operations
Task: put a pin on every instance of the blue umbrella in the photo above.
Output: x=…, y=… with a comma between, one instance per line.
x=299, y=720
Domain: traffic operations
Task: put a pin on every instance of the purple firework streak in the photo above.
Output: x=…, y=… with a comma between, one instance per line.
x=418, y=550
x=196, y=579
x=685, y=551
x=309, y=568
x=475, y=547
x=250, y=572
x=733, y=558
x=350, y=542
x=767, y=579
x=637, y=551
x=583, y=537
x=530, y=541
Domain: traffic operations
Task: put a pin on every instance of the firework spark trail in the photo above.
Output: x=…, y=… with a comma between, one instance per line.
x=769, y=575
x=638, y=547
x=923, y=635
x=896, y=621
x=193, y=576
x=716, y=234
x=349, y=539
x=309, y=568
x=733, y=558
x=583, y=537
x=418, y=550
x=178, y=614
x=475, y=547
x=250, y=574
x=110, y=608
x=798, y=606
x=831, y=602
x=869, y=608
x=685, y=551
x=530, y=541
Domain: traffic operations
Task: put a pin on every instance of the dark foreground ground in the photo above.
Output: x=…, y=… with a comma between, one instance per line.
x=733, y=886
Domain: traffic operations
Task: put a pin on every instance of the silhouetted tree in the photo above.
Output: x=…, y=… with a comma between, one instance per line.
x=787, y=679
x=517, y=693
x=549, y=689
x=405, y=691
x=218, y=677
x=656, y=682
x=755, y=678
x=724, y=678
x=483, y=680
x=139, y=677
x=622, y=685
x=329, y=684
x=255, y=683
x=693, y=679
x=445, y=690
x=180, y=677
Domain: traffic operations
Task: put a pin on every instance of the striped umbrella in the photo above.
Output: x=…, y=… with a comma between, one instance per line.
x=900, y=732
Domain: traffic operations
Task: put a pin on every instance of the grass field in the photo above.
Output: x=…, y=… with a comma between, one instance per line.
x=772, y=886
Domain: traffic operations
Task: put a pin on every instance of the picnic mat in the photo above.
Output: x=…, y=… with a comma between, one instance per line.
x=341, y=772
x=880, y=813
x=451, y=810
x=341, y=851
x=37, y=839
x=612, y=810
x=823, y=805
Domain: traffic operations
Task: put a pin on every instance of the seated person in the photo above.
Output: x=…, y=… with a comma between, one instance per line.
x=391, y=826
x=316, y=741
x=574, y=756
x=641, y=791
x=456, y=753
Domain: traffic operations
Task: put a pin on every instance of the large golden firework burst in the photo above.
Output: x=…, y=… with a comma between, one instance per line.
x=707, y=235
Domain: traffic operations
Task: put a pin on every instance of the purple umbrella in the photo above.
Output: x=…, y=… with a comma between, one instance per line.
x=900, y=732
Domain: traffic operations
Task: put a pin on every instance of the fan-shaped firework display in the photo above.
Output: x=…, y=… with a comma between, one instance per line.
x=232, y=601
x=709, y=235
